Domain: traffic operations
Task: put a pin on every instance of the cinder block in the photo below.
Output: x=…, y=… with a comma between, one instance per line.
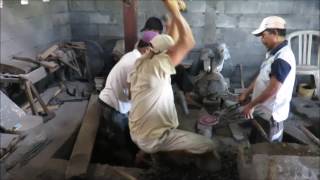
x=301, y=22
x=259, y=7
x=112, y=6
x=79, y=30
x=82, y=5
x=10, y=48
x=226, y=21
x=60, y=19
x=99, y=18
x=220, y=7
x=152, y=8
x=195, y=19
x=110, y=31
x=79, y=18
x=310, y=7
x=58, y=6
x=241, y=7
x=62, y=32
x=40, y=22
x=250, y=21
x=210, y=26
x=196, y=6
x=277, y=7
x=198, y=36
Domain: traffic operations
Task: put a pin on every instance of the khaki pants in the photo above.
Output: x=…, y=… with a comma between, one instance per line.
x=178, y=140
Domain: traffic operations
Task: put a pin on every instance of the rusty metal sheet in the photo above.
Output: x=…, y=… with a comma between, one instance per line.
x=130, y=24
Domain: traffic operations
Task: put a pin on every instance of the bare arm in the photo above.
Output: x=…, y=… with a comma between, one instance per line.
x=171, y=29
x=186, y=40
x=269, y=92
x=247, y=92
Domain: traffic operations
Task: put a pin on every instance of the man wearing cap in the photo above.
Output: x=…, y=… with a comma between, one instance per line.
x=153, y=118
x=114, y=98
x=181, y=77
x=272, y=89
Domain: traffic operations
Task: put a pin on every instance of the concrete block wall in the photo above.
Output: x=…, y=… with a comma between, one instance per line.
x=235, y=20
x=227, y=21
x=96, y=19
x=27, y=30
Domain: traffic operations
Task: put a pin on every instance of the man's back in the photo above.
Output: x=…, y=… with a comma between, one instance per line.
x=116, y=92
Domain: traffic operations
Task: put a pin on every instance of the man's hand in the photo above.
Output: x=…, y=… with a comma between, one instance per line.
x=182, y=5
x=248, y=111
x=175, y=4
x=242, y=97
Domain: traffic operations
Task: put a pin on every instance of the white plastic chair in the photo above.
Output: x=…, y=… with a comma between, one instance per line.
x=306, y=47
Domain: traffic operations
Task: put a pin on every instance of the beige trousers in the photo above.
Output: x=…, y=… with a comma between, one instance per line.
x=177, y=140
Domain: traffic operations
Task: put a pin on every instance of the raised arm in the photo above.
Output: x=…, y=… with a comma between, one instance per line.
x=185, y=41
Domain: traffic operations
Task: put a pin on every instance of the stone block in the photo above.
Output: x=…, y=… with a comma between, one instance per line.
x=60, y=19
x=110, y=31
x=220, y=7
x=226, y=21
x=58, y=6
x=39, y=22
x=82, y=5
x=198, y=36
x=110, y=6
x=250, y=21
x=99, y=18
x=195, y=19
x=62, y=32
x=241, y=7
x=79, y=18
x=196, y=6
x=84, y=30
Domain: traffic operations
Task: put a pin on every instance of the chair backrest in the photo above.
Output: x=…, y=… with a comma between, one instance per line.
x=307, y=41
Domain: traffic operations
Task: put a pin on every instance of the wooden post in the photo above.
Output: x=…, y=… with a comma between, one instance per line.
x=130, y=24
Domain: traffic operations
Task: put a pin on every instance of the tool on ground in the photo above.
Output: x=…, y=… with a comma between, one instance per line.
x=310, y=135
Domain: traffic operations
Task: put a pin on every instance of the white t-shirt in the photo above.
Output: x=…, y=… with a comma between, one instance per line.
x=116, y=90
x=277, y=106
x=153, y=109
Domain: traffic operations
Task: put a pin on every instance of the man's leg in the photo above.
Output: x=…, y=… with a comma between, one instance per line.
x=184, y=147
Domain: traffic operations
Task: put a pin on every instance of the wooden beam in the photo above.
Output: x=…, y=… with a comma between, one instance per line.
x=130, y=24
x=81, y=154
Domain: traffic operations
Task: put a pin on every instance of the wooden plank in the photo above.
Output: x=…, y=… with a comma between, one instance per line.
x=81, y=154
x=292, y=129
x=48, y=52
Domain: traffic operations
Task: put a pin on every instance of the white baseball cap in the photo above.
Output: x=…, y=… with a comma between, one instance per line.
x=161, y=43
x=271, y=22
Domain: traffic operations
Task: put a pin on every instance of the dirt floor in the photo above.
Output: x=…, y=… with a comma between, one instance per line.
x=228, y=171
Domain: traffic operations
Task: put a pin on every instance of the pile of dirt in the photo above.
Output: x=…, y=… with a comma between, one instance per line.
x=228, y=171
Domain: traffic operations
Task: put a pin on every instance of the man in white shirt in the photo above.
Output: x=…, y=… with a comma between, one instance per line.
x=272, y=89
x=114, y=98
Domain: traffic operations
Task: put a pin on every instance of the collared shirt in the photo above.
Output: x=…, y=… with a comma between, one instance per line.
x=153, y=110
x=280, y=63
x=116, y=90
